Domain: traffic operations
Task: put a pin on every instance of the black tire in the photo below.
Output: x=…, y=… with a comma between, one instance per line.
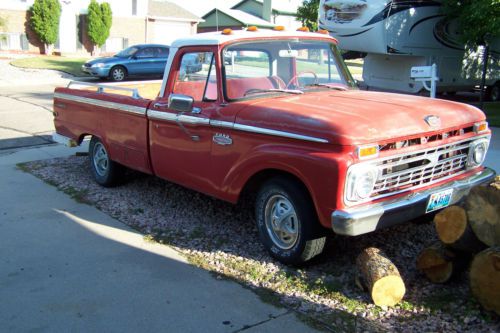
x=493, y=92
x=299, y=237
x=106, y=172
x=118, y=73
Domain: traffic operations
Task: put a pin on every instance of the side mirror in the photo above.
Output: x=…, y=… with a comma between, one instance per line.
x=181, y=103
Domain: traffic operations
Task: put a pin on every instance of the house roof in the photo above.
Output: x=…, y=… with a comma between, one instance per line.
x=162, y=8
x=278, y=7
x=240, y=16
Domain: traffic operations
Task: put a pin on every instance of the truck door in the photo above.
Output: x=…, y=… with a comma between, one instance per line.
x=181, y=141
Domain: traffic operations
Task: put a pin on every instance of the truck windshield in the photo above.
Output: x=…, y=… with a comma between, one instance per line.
x=283, y=66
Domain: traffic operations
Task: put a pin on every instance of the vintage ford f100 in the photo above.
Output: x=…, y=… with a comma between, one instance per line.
x=277, y=114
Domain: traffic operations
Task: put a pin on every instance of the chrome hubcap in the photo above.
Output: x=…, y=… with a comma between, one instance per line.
x=282, y=223
x=118, y=74
x=101, y=161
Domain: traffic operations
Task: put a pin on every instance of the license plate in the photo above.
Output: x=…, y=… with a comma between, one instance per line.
x=439, y=200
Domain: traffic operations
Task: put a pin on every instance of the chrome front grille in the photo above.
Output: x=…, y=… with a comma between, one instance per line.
x=420, y=168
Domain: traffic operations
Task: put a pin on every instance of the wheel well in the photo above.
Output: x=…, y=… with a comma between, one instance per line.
x=257, y=180
x=122, y=66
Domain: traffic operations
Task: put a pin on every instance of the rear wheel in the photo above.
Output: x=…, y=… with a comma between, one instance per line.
x=287, y=222
x=118, y=73
x=106, y=172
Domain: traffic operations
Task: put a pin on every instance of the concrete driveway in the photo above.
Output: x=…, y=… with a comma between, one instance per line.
x=68, y=267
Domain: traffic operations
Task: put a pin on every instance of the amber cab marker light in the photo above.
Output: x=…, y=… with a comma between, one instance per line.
x=304, y=29
x=365, y=152
x=322, y=31
x=252, y=28
x=279, y=28
x=227, y=31
x=480, y=127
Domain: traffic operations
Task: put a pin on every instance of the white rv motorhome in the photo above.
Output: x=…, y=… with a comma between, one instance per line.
x=400, y=34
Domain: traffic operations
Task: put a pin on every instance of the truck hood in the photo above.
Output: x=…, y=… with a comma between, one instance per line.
x=356, y=117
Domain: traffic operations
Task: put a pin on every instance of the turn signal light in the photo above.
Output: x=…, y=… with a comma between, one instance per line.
x=279, y=28
x=304, y=29
x=480, y=127
x=322, y=31
x=227, y=31
x=252, y=28
x=365, y=152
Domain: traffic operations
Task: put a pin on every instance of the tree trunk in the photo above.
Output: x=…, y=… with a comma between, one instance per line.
x=453, y=229
x=381, y=277
x=47, y=48
x=438, y=263
x=483, y=212
x=485, y=278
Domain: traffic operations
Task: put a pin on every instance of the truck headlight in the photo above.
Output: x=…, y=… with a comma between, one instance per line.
x=360, y=182
x=477, y=152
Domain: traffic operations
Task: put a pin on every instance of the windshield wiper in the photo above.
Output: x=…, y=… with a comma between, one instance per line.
x=259, y=91
x=328, y=86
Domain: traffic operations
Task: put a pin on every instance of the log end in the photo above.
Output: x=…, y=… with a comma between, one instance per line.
x=388, y=291
x=485, y=278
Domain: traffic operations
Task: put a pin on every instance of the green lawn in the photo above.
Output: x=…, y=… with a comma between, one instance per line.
x=492, y=110
x=68, y=65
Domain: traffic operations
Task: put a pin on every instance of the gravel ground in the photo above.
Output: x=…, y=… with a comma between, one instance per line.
x=222, y=238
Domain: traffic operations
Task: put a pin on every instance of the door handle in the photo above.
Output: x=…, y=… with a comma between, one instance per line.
x=160, y=105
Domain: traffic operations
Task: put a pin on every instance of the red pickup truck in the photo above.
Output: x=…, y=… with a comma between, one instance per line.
x=277, y=114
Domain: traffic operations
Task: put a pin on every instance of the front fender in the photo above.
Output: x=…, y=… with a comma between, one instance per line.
x=321, y=171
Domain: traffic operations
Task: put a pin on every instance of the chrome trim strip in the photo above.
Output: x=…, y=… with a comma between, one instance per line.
x=174, y=117
x=220, y=123
x=193, y=120
x=365, y=219
x=266, y=131
x=167, y=116
x=105, y=104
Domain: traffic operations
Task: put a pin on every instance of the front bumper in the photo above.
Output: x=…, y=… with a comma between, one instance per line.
x=96, y=71
x=362, y=220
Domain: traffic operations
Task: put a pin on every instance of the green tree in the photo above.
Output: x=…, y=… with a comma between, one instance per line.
x=99, y=21
x=3, y=23
x=307, y=13
x=44, y=21
x=478, y=22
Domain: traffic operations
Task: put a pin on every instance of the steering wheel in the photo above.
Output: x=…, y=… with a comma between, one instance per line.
x=294, y=80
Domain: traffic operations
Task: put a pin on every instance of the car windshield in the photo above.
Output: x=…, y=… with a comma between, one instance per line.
x=283, y=66
x=127, y=52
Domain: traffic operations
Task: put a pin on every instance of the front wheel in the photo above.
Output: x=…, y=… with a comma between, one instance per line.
x=106, y=172
x=118, y=73
x=287, y=222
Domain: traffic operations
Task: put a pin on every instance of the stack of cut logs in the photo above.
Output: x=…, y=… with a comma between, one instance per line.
x=468, y=233
x=470, y=237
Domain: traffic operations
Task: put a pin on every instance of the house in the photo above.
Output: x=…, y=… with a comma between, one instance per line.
x=259, y=13
x=134, y=22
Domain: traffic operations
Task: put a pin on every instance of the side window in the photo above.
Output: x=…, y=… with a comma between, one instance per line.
x=197, y=76
x=163, y=53
x=148, y=52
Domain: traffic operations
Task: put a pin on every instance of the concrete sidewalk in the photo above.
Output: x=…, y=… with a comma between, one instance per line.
x=67, y=266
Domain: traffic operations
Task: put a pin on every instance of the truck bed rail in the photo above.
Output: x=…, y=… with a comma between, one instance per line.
x=101, y=87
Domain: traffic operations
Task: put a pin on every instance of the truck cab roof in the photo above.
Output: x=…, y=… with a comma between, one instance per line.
x=220, y=38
